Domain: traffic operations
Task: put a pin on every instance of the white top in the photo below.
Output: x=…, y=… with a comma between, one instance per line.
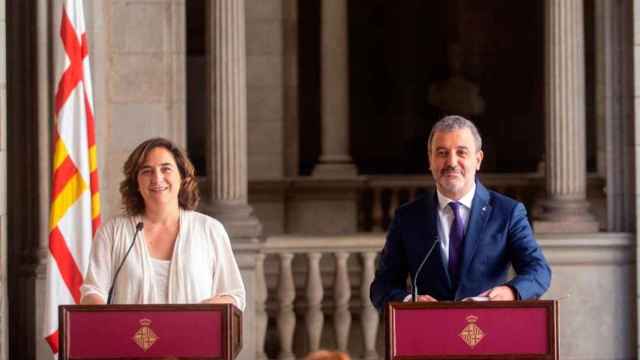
x=202, y=264
x=161, y=278
x=445, y=215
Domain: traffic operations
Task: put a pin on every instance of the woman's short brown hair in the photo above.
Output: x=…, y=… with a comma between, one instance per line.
x=132, y=201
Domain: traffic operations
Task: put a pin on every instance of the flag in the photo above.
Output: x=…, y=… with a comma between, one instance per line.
x=75, y=201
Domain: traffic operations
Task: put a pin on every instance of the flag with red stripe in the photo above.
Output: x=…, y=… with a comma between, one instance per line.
x=75, y=201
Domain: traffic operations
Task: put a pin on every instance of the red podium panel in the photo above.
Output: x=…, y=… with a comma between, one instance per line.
x=195, y=331
x=472, y=330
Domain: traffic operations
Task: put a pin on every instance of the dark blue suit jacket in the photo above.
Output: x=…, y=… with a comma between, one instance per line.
x=498, y=234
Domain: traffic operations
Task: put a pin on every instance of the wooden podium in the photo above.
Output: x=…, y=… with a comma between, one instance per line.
x=198, y=331
x=472, y=330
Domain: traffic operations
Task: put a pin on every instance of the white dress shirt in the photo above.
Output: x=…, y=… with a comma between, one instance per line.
x=445, y=217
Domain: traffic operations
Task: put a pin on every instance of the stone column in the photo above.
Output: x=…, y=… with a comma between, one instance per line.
x=4, y=331
x=614, y=108
x=227, y=158
x=47, y=13
x=227, y=143
x=565, y=208
x=335, y=160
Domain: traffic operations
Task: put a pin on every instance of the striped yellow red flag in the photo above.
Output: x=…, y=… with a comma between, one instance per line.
x=75, y=201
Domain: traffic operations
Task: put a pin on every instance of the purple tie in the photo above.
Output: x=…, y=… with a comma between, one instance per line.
x=456, y=234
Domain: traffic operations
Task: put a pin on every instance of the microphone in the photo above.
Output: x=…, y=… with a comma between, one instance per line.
x=414, y=284
x=139, y=227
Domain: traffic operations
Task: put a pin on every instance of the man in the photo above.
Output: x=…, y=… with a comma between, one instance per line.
x=474, y=233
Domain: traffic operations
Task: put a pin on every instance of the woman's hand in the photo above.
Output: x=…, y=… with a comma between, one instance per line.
x=219, y=299
x=92, y=299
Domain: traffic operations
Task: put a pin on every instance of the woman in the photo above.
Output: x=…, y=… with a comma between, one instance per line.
x=179, y=255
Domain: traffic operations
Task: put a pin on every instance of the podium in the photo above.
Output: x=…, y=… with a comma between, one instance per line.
x=472, y=330
x=194, y=331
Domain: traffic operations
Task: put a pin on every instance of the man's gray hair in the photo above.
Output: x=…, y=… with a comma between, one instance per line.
x=455, y=122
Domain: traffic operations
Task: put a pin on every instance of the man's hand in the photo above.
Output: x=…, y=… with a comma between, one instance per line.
x=500, y=293
x=425, y=298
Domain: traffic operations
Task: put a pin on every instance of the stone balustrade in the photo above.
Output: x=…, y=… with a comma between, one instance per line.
x=315, y=293
x=313, y=283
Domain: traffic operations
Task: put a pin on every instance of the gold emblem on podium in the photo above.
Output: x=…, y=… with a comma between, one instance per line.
x=145, y=337
x=472, y=334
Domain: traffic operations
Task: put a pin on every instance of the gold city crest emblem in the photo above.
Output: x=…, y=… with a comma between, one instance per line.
x=145, y=337
x=471, y=334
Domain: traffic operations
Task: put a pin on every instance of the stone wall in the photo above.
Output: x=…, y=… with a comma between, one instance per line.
x=594, y=281
x=635, y=145
x=142, y=62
